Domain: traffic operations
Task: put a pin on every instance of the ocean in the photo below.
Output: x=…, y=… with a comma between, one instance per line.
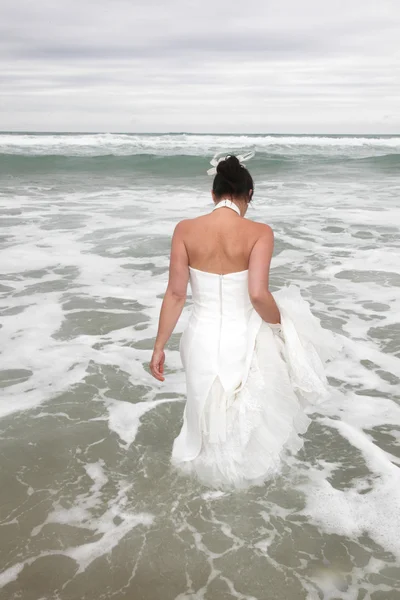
x=90, y=508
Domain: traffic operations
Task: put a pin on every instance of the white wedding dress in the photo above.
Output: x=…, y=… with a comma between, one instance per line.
x=248, y=382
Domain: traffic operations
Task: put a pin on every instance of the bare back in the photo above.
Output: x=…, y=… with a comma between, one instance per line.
x=221, y=242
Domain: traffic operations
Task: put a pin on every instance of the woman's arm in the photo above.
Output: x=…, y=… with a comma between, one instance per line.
x=173, y=301
x=259, y=265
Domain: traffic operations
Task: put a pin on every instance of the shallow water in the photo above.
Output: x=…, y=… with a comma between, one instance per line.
x=90, y=507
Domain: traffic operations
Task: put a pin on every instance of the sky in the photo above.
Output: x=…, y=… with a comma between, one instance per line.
x=260, y=66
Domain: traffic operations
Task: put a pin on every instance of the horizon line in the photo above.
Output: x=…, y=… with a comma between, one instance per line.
x=27, y=131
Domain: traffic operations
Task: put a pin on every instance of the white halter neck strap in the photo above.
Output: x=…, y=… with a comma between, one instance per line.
x=227, y=203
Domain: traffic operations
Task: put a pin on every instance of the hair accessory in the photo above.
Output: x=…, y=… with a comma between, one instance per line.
x=214, y=161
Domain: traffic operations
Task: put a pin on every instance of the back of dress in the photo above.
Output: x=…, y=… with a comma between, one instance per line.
x=221, y=329
x=217, y=349
x=248, y=382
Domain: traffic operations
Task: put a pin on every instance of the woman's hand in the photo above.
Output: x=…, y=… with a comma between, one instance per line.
x=157, y=364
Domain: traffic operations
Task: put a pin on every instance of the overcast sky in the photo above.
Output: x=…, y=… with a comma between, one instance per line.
x=190, y=65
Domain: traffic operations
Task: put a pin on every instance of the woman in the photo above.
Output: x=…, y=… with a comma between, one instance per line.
x=253, y=360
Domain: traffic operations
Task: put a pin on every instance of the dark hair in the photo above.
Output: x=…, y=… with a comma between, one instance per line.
x=232, y=179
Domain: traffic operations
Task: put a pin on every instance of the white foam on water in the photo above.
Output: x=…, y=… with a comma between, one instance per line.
x=11, y=573
x=86, y=513
x=28, y=335
x=82, y=514
x=177, y=144
x=361, y=411
x=85, y=554
x=124, y=417
x=213, y=495
x=53, y=365
x=372, y=259
x=369, y=507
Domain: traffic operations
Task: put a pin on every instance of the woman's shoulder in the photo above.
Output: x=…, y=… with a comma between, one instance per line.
x=261, y=230
x=262, y=226
x=265, y=229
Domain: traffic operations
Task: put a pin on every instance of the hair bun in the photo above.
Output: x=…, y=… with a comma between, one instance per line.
x=232, y=178
x=230, y=167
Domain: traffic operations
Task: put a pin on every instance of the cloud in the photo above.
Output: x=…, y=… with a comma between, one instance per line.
x=264, y=66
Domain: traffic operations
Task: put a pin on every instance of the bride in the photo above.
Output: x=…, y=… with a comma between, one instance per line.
x=253, y=360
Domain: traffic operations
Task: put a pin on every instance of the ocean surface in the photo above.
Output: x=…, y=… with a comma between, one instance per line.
x=90, y=508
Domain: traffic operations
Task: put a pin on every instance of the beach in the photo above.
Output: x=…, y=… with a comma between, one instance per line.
x=90, y=507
